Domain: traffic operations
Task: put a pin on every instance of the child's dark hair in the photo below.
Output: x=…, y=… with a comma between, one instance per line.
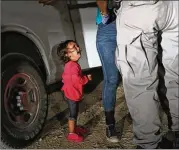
x=61, y=50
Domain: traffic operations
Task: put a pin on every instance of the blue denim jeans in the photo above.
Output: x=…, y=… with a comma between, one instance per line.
x=106, y=46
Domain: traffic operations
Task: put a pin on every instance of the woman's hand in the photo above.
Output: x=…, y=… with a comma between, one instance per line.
x=102, y=4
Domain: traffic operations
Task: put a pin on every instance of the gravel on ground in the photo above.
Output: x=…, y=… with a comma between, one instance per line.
x=91, y=116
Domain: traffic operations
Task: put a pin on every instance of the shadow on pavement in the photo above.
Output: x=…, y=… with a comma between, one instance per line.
x=120, y=124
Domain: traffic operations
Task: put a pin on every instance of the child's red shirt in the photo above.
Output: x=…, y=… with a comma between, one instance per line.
x=73, y=81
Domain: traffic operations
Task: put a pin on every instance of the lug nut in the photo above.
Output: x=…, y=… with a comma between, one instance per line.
x=18, y=104
x=18, y=97
x=20, y=93
x=21, y=108
x=19, y=101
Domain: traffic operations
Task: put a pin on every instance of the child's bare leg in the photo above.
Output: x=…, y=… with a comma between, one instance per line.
x=71, y=126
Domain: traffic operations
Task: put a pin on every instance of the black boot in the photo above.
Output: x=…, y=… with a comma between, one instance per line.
x=176, y=142
x=164, y=144
x=139, y=147
x=171, y=141
x=168, y=143
x=110, y=129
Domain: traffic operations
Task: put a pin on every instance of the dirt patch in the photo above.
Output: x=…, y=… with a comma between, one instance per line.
x=91, y=116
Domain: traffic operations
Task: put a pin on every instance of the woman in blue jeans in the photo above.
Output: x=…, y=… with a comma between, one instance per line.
x=106, y=46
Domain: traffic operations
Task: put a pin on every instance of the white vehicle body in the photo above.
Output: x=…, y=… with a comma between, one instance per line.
x=30, y=34
x=46, y=26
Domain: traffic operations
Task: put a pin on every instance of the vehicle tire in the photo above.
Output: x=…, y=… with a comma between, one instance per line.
x=24, y=105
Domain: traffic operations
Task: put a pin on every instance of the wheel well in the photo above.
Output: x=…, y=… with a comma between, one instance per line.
x=14, y=42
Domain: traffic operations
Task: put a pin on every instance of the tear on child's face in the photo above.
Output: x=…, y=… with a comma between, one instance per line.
x=73, y=51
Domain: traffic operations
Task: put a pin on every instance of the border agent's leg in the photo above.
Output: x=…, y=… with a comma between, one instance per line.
x=137, y=42
x=170, y=62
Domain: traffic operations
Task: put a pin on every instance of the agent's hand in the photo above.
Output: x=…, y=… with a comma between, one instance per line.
x=89, y=77
x=46, y=2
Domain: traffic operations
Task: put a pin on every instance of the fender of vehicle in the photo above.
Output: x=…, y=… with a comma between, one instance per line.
x=32, y=37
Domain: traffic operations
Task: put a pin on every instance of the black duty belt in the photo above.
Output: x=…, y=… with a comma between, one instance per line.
x=113, y=5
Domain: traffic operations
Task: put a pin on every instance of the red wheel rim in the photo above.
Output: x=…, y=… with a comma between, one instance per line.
x=21, y=100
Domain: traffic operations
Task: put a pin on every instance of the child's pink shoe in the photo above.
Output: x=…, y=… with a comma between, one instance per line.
x=81, y=130
x=73, y=137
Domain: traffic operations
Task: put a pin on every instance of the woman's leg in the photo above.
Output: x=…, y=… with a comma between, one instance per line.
x=106, y=46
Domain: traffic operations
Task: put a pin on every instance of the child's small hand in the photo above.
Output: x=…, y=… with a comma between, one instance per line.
x=89, y=77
